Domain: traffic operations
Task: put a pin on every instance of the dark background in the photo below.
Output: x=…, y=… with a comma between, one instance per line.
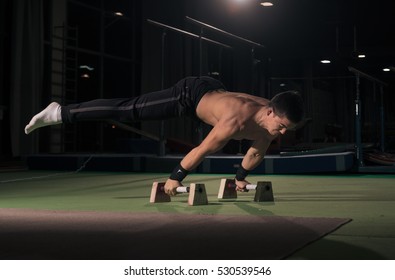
x=76, y=50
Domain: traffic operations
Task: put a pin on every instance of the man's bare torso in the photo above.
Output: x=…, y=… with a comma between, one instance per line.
x=237, y=109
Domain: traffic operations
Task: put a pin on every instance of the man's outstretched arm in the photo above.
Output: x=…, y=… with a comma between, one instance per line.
x=215, y=140
x=251, y=160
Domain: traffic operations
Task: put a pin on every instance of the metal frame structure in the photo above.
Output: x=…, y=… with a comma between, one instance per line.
x=358, y=115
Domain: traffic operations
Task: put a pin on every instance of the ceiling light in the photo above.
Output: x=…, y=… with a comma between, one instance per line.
x=325, y=61
x=386, y=69
x=361, y=56
x=118, y=14
x=87, y=67
x=266, y=4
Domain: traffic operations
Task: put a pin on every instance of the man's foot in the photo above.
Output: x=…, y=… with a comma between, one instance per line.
x=49, y=116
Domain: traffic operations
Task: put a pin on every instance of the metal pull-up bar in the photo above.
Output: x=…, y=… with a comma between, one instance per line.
x=187, y=33
x=202, y=24
x=228, y=34
x=362, y=74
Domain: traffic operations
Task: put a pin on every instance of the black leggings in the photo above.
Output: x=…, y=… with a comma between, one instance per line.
x=176, y=101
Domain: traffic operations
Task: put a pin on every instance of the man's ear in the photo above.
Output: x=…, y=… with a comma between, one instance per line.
x=269, y=111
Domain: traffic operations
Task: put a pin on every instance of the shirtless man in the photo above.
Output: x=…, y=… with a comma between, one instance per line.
x=232, y=115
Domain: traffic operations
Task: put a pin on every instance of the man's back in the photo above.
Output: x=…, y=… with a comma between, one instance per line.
x=237, y=109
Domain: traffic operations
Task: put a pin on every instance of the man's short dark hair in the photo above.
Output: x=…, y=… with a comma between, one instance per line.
x=288, y=104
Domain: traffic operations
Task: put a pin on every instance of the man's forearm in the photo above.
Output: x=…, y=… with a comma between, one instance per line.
x=255, y=154
x=243, y=171
x=251, y=162
x=192, y=159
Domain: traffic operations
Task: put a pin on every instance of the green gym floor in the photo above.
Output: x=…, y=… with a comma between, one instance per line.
x=369, y=200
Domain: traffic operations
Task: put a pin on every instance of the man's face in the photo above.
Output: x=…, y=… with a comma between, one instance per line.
x=278, y=125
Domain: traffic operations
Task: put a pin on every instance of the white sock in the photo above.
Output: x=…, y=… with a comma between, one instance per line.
x=49, y=116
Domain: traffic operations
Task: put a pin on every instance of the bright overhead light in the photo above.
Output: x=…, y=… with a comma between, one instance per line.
x=266, y=4
x=361, y=56
x=386, y=69
x=325, y=61
x=118, y=14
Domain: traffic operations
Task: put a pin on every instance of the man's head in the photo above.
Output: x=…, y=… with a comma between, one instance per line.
x=285, y=112
x=288, y=104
